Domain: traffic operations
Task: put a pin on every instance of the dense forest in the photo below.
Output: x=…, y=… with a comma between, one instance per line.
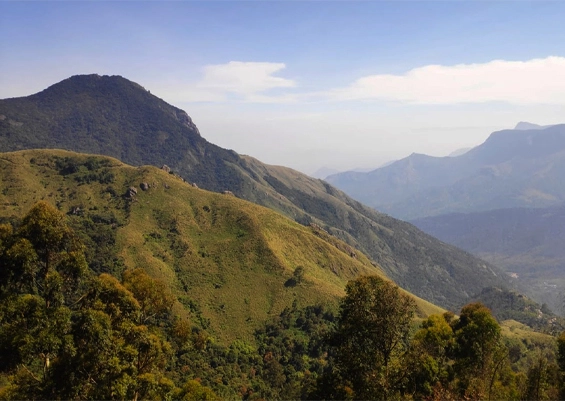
x=68, y=332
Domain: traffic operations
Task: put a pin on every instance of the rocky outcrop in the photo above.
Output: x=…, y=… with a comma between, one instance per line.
x=76, y=211
x=131, y=192
x=185, y=120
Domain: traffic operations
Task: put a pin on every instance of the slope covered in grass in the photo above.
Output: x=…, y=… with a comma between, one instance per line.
x=231, y=263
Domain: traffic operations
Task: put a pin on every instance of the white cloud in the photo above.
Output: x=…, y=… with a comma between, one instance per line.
x=536, y=81
x=236, y=80
x=517, y=82
x=244, y=78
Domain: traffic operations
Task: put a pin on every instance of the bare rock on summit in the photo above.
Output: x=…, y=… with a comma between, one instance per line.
x=144, y=186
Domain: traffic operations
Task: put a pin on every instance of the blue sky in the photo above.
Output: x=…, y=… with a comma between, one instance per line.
x=309, y=84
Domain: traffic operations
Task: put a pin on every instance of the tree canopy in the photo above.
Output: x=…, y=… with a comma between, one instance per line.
x=372, y=335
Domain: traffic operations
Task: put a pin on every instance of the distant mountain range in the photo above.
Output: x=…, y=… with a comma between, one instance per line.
x=522, y=167
x=119, y=118
x=502, y=201
x=523, y=240
x=324, y=172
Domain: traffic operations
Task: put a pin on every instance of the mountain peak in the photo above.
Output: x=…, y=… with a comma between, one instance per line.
x=524, y=126
x=103, y=114
x=91, y=82
x=324, y=172
x=99, y=87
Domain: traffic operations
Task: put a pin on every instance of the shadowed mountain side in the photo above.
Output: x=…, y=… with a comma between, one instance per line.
x=512, y=168
x=525, y=241
x=119, y=118
x=112, y=116
x=528, y=239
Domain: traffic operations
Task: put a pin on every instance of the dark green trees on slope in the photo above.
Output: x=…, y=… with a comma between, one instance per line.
x=374, y=356
x=67, y=334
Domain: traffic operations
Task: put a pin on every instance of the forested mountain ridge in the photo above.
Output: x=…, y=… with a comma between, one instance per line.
x=119, y=118
x=512, y=168
x=510, y=305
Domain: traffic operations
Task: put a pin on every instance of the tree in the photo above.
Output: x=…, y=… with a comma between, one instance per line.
x=45, y=227
x=428, y=362
x=539, y=380
x=372, y=336
x=479, y=353
x=41, y=267
x=297, y=277
x=42, y=257
x=194, y=391
x=561, y=351
x=153, y=295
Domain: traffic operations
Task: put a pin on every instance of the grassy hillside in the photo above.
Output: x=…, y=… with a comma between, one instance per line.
x=116, y=117
x=232, y=263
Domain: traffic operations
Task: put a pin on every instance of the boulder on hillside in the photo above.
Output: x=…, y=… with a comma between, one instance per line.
x=131, y=192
